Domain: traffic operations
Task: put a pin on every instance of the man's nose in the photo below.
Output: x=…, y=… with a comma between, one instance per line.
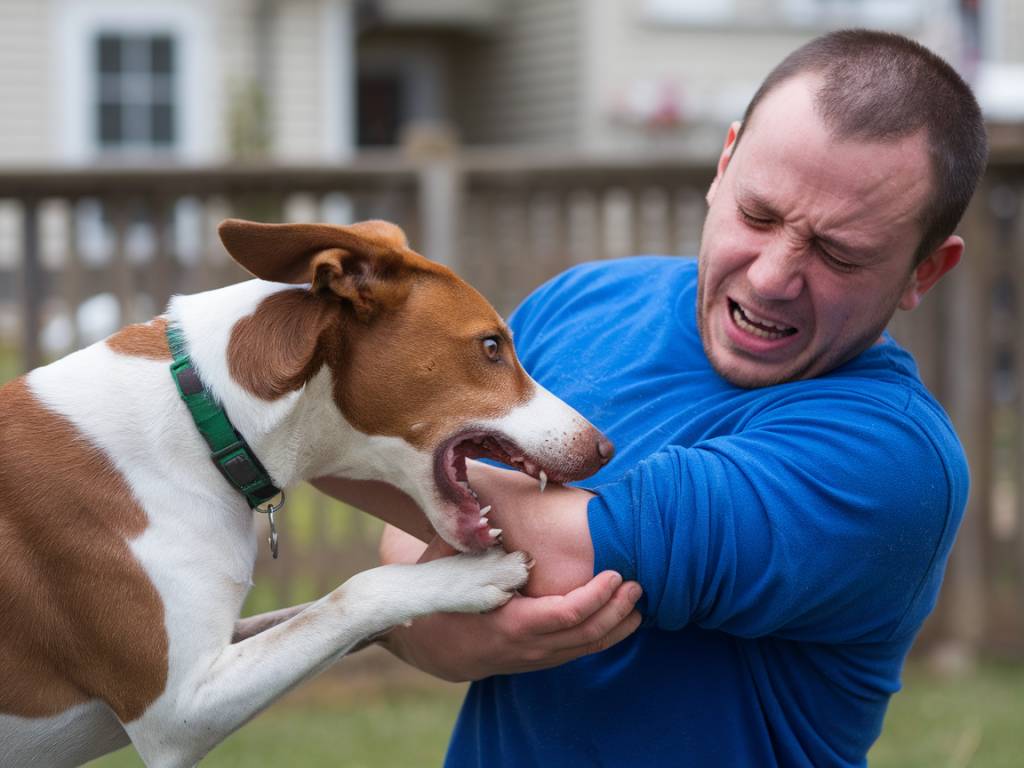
x=777, y=272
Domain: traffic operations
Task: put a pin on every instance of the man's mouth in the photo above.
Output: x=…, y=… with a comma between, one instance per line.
x=756, y=325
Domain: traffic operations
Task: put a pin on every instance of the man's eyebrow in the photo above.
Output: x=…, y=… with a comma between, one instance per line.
x=748, y=197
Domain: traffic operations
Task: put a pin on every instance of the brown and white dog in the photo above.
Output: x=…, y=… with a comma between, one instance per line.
x=124, y=554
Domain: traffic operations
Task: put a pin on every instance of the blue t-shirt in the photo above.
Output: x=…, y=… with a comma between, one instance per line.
x=790, y=541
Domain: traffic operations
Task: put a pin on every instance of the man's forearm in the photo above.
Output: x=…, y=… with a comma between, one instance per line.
x=381, y=500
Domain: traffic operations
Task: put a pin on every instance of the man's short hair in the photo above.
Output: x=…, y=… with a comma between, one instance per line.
x=878, y=86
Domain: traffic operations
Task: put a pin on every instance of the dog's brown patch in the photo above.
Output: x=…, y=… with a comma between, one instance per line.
x=80, y=618
x=281, y=345
x=147, y=340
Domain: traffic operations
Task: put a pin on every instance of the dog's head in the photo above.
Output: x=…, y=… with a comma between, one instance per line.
x=417, y=357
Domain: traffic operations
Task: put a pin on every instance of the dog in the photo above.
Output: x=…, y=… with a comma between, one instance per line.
x=126, y=553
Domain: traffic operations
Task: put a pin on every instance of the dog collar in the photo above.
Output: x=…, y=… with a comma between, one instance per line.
x=229, y=451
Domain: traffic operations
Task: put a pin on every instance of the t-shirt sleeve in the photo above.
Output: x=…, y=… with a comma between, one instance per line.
x=825, y=519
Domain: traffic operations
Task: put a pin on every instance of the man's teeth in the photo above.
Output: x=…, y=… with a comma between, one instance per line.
x=543, y=481
x=765, y=329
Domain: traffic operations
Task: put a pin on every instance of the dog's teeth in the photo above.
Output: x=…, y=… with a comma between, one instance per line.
x=495, y=532
x=464, y=484
x=543, y=480
x=484, y=522
x=530, y=467
x=485, y=510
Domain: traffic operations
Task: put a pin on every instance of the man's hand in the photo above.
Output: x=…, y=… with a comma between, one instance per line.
x=525, y=634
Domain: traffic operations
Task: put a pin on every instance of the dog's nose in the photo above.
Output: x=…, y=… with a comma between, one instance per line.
x=605, y=449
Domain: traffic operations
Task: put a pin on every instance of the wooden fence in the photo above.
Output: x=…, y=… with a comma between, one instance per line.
x=82, y=250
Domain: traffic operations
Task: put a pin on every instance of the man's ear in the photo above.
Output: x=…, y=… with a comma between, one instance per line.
x=361, y=263
x=724, y=158
x=927, y=273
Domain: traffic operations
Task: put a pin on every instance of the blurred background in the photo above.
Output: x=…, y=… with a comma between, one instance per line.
x=511, y=139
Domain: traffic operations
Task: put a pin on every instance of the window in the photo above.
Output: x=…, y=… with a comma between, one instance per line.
x=135, y=96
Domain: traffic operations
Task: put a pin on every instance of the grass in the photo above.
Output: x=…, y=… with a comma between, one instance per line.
x=332, y=722
x=970, y=723
x=936, y=723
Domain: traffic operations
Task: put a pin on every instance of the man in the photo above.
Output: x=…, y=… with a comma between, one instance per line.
x=785, y=491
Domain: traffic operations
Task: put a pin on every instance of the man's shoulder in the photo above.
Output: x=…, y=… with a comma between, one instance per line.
x=594, y=281
x=593, y=291
x=630, y=267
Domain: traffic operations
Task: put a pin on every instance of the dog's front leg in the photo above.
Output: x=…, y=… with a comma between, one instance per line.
x=203, y=705
x=253, y=625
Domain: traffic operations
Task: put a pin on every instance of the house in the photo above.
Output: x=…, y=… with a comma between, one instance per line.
x=208, y=81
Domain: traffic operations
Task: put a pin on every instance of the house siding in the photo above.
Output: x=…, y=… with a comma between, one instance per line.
x=25, y=80
x=520, y=83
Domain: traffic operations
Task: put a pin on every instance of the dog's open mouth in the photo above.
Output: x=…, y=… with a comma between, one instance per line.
x=472, y=528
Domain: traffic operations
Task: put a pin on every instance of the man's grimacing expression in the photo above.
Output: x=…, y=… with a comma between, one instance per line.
x=809, y=243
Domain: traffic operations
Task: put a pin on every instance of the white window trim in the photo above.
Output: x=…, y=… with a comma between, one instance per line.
x=79, y=22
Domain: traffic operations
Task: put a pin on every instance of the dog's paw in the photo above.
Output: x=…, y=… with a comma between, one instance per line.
x=480, y=582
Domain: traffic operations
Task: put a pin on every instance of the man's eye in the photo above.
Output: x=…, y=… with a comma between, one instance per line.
x=837, y=264
x=754, y=221
x=492, y=347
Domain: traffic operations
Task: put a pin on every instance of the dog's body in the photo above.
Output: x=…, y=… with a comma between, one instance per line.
x=125, y=556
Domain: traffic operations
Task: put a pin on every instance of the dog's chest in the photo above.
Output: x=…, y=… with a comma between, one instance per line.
x=70, y=738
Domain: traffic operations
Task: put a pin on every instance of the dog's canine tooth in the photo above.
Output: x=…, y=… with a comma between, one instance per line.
x=543, y=480
x=484, y=511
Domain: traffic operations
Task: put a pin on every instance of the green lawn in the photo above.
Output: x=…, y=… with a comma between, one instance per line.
x=978, y=722
x=330, y=723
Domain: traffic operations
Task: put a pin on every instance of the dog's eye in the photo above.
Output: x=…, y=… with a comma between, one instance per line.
x=492, y=347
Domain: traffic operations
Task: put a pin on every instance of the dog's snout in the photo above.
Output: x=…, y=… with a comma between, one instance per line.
x=605, y=449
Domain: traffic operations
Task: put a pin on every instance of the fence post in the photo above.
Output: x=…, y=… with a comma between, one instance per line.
x=968, y=391
x=439, y=191
x=31, y=286
x=440, y=205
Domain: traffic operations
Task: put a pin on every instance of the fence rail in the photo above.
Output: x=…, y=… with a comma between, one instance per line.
x=84, y=251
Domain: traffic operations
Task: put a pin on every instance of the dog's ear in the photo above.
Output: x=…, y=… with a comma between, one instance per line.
x=362, y=263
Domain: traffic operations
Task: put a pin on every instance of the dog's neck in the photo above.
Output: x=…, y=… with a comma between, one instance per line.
x=299, y=435
x=278, y=430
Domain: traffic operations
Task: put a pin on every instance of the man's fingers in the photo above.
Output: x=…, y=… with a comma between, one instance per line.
x=596, y=632
x=558, y=614
x=554, y=658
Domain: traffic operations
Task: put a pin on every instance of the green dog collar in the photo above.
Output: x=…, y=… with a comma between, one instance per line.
x=229, y=451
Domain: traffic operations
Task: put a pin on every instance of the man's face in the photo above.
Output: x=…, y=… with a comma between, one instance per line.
x=808, y=246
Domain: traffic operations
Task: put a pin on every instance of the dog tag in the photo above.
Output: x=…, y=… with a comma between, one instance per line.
x=269, y=511
x=273, y=534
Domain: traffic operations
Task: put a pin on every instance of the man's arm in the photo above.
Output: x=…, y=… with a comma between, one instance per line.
x=524, y=635
x=574, y=614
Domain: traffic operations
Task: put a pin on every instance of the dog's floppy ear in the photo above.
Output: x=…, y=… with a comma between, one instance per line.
x=361, y=263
